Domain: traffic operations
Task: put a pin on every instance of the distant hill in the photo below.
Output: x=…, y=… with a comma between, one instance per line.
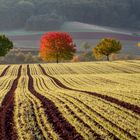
x=80, y=32
x=50, y=14
x=83, y=27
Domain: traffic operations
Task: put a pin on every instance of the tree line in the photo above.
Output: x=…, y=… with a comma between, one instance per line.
x=49, y=14
x=59, y=46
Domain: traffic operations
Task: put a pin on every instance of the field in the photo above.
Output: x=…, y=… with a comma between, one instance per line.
x=70, y=101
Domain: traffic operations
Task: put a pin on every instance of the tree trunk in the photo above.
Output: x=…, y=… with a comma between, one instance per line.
x=57, y=61
x=57, y=58
x=107, y=57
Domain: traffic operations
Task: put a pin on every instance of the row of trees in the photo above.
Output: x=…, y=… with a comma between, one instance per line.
x=59, y=46
x=28, y=14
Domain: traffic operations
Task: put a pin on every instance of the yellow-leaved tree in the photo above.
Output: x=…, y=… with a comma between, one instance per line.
x=106, y=47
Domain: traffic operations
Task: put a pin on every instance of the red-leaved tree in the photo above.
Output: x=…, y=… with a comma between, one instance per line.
x=57, y=46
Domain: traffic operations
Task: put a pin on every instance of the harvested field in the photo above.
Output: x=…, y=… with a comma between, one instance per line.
x=70, y=101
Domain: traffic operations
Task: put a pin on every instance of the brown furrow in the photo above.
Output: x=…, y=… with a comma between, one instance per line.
x=98, y=114
x=66, y=81
x=104, y=101
x=131, y=107
x=4, y=71
x=110, y=122
x=79, y=119
x=7, y=127
x=65, y=130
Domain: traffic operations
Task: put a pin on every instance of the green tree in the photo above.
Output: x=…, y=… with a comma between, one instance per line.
x=5, y=45
x=106, y=47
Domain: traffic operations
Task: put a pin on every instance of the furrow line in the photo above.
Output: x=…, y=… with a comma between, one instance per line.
x=133, y=108
x=61, y=126
x=95, y=112
x=94, y=134
x=7, y=127
x=105, y=119
x=4, y=71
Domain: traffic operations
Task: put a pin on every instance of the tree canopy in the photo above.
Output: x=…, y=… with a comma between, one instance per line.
x=5, y=45
x=57, y=46
x=106, y=47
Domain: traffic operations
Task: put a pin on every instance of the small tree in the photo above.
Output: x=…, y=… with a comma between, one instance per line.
x=57, y=46
x=106, y=47
x=5, y=45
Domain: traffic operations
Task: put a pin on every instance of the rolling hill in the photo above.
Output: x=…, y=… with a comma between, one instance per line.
x=70, y=101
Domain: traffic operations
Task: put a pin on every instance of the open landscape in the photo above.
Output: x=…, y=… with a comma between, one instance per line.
x=80, y=32
x=70, y=101
x=69, y=69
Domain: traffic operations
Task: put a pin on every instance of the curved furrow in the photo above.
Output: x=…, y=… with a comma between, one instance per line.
x=101, y=116
x=77, y=84
x=126, y=105
x=7, y=130
x=95, y=112
x=6, y=82
x=46, y=132
x=102, y=100
x=4, y=71
x=32, y=109
x=76, y=116
x=43, y=124
x=85, y=115
x=120, y=69
x=6, y=86
x=61, y=126
x=130, y=67
x=26, y=124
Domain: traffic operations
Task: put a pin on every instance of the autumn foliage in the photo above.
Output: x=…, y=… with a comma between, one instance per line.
x=106, y=47
x=57, y=46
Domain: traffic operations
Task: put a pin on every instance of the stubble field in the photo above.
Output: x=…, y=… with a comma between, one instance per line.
x=70, y=101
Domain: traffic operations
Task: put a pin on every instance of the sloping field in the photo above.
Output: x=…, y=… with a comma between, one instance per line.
x=70, y=101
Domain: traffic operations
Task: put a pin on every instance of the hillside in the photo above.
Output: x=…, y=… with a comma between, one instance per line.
x=83, y=27
x=80, y=32
x=70, y=101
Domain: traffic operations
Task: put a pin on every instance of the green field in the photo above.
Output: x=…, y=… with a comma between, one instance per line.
x=70, y=101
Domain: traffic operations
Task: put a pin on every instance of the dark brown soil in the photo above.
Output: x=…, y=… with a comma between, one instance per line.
x=133, y=108
x=7, y=127
x=4, y=71
x=65, y=130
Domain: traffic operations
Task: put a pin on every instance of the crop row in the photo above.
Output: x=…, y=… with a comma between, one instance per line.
x=70, y=101
x=30, y=117
x=6, y=81
x=107, y=84
x=46, y=91
x=93, y=68
x=7, y=129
